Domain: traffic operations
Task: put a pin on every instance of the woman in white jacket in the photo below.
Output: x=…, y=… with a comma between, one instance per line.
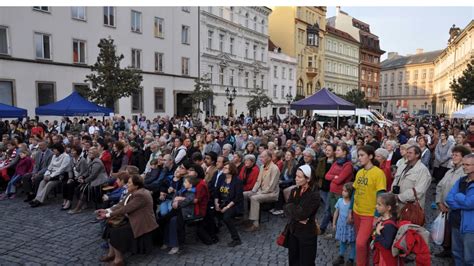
x=57, y=170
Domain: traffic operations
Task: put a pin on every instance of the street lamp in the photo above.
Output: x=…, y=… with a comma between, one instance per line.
x=289, y=99
x=230, y=95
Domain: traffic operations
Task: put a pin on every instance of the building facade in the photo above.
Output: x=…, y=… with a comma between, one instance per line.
x=46, y=53
x=282, y=80
x=406, y=82
x=341, y=73
x=300, y=32
x=450, y=64
x=234, y=54
x=369, y=54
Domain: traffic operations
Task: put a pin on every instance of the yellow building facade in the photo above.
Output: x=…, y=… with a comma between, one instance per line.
x=450, y=64
x=300, y=31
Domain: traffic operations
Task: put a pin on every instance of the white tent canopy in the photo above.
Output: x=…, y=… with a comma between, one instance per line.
x=466, y=113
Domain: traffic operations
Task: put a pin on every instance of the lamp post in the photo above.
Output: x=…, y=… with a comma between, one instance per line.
x=230, y=95
x=289, y=98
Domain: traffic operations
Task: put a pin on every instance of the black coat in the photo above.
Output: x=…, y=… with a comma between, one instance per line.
x=302, y=207
x=138, y=159
x=235, y=194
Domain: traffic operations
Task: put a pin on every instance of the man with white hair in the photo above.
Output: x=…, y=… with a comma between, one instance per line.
x=309, y=141
x=227, y=151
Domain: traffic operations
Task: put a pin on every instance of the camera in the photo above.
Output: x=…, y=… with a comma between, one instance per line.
x=396, y=190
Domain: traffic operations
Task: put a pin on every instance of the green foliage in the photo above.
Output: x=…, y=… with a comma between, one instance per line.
x=463, y=87
x=258, y=100
x=109, y=81
x=201, y=93
x=356, y=97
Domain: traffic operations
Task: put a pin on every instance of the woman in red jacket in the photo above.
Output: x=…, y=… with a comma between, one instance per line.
x=105, y=155
x=341, y=172
x=381, y=156
x=249, y=173
x=24, y=166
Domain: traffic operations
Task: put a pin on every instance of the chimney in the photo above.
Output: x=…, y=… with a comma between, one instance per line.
x=419, y=51
x=338, y=9
x=391, y=55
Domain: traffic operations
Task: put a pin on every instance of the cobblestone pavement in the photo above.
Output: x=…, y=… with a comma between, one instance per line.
x=46, y=235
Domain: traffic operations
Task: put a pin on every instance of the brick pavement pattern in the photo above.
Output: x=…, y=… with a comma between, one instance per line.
x=46, y=235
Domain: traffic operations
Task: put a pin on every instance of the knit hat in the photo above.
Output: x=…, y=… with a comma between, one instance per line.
x=382, y=152
x=306, y=169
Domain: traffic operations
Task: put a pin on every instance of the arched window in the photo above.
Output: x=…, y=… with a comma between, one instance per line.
x=299, y=88
x=309, y=88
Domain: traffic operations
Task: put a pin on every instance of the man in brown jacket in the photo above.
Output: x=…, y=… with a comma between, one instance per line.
x=266, y=189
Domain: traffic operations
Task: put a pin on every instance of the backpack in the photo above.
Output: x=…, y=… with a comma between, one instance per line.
x=412, y=241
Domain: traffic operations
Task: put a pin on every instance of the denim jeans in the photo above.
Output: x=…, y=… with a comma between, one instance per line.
x=11, y=188
x=343, y=247
x=327, y=210
x=171, y=234
x=462, y=247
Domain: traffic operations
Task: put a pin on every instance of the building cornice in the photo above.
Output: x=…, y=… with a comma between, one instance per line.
x=230, y=25
x=53, y=63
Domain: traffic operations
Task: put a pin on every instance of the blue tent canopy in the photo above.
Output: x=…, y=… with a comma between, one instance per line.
x=323, y=100
x=8, y=111
x=73, y=105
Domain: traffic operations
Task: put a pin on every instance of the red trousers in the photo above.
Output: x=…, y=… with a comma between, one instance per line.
x=363, y=226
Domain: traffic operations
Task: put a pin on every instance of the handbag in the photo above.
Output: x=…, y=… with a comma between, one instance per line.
x=117, y=221
x=282, y=239
x=413, y=212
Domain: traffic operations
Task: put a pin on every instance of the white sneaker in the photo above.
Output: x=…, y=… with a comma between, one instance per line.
x=173, y=251
x=163, y=247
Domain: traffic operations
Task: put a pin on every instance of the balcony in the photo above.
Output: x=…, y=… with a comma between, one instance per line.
x=311, y=72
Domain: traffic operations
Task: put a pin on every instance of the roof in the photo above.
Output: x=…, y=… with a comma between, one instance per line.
x=331, y=21
x=271, y=45
x=323, y=100
x=340, y=33
x=399, y=61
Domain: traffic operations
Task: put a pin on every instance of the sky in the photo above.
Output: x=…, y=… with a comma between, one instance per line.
x=404, y=29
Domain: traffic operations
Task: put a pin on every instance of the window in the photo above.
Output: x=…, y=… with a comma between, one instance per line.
x=254, y=23
x=41, y=8
x=231, y=14
x=159, y=100
x=221, y=76
x=159, y=27
x=247, y=20
x=275, y=71
x=186, y=9
x=262, y=56
x=254, y=80
x=375, y=77
x=81, y=88
x=246, y=79
x=231, y=78
x=400, y=90
x=363, y=74
x=392, y=77
x=211, y=70
x=312, y=39
x=299, y=88
x=369, y=74
x=231, y=46
x=431, y=74
x=282, y=92
x=6, y=92
x=221, y=11
x=136, y=24
x=423, y=74
x=416, y=75
x=415, y=89
x=310, y=61
x=109, y=16
x=185, y=66
x=247, y=50
x=46, y=93
x=262, y=79
x=263, y=26
x=300, y=36
x=137, y=100
x=275, y=91
x=185, y=34
x=290, y=73
x=407, y=75
x=400, y=76
x=78, y=12
x=255, y=52
x=4, y=49
x=159, y=62
x=43, y=46
x=210, y=35
x=79, y=51
x=283, y=72
x=407, y=89
x=369, y=92
x=136, y=58
x=309, y=88
x=290, y=88
x=221, y=42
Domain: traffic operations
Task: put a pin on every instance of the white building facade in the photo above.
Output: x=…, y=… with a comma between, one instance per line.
x=234, y=54
x=46, y=53
x=342, y=61
x=282, y=82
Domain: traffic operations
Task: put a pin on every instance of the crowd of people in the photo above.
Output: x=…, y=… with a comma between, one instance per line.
x=148, y=179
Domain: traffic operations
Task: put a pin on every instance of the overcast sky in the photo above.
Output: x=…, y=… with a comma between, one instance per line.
x=403, y=29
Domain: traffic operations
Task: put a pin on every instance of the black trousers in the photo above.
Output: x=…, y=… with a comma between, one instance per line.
x=302, y=249
x=69, y=189
x=30, y=187
x=228, y=219
x=439, y=172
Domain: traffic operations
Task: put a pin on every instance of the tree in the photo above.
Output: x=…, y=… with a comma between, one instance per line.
x=109, y=81
x=201, y=94
x=259, y=99
x=463, y=87
x=356, y=97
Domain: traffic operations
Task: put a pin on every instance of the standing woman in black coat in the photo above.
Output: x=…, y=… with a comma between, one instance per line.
x=301, y=210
